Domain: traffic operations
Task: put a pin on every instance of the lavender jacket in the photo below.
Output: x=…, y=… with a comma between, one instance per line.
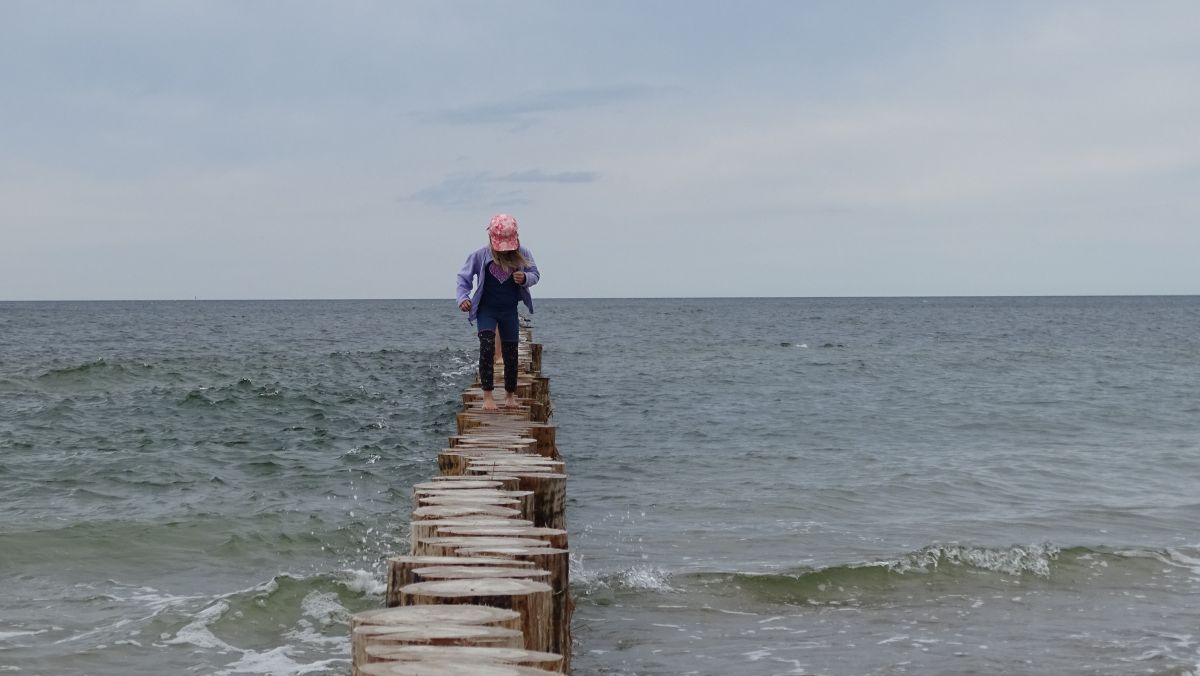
x=474, y=269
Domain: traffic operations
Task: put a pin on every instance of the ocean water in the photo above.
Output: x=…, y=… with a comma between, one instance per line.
x=766, y=486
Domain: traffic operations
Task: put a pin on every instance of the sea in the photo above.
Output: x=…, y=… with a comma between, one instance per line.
x=757, y=486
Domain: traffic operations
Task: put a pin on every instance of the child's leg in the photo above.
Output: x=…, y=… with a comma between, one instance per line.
x=487, y=356
x=508, y=351
x=510, y=335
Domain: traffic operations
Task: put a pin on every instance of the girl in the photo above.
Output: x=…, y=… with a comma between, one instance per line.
x=502, y=274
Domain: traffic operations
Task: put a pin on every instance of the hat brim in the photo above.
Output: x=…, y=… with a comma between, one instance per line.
x=505, y=243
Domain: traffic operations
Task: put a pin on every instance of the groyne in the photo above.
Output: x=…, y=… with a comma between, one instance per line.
x=484, y=589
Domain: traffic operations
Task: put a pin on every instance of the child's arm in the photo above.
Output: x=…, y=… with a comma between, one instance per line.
x=464, y=280
x=531, y=273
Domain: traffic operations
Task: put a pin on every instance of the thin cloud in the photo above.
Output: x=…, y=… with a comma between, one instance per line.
x=539, y=176
x=456, y=190
x=478, y=188
x=524, y=111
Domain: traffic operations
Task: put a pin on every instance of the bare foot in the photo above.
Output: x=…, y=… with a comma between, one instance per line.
x=489, y=404
x=510, y=400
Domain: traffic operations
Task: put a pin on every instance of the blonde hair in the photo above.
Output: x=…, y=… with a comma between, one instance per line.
x=510, y=260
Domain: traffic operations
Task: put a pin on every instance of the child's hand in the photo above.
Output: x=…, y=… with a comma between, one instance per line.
x=519, y=277
x=465, y=306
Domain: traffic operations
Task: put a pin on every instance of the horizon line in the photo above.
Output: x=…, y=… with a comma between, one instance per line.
x=552, y=298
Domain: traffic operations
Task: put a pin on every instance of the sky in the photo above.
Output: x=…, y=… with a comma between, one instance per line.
x=648, y=148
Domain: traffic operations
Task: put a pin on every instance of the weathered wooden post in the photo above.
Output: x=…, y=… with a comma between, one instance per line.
x=400, y=569
x=531, y=599
x=557, y=562
x=449, y=545
x=373, y=622
x=478, y=661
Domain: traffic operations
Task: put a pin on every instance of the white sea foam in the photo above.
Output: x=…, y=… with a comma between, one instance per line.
x=321, y=607
x=460, y=366
x=651, y=579
x=1033, y=559
x=262, y=588
x=364, y=582
x=157, y=600
x=153, y=599
x=1183, y=557
x=100, y=630
x=5, y=635
x=197, y=632
x=756, y=655
x=773, y=618
x=635, y=578
x=1187, y=560
x=276, y=661
x=324, y=608
x=308, y=635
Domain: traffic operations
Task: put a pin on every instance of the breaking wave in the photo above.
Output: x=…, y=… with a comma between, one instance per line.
x=948, y=565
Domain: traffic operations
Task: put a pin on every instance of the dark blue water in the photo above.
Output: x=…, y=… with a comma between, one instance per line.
x=1003, y=485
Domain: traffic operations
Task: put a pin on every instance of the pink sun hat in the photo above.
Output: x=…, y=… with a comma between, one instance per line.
x=503, y=233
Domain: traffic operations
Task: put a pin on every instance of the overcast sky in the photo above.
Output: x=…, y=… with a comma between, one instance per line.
x=647, y=148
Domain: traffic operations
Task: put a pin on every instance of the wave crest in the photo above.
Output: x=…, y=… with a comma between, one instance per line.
x=98, y=371
x=1017, y=560
x=963, y=567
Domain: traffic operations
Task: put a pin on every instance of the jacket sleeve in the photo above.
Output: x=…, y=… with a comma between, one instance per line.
x=531, y=272
x=464, y=280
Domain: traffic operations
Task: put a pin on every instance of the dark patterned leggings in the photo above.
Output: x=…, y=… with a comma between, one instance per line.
x=487, y=357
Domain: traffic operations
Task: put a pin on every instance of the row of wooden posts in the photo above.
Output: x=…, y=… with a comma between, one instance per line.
x=485, y=589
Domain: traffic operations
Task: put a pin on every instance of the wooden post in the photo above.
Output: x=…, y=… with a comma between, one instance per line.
x=531, y=599
x=423, y=668
x=425, y=529
x=436, y=573
x=524, y=497
x=557, y=562
x=554, y=537
x=430, y=634
x=449, y=545
x=454, y=499
x=457, y=614
x=550, y=494
x=454, y=461
x=400, y=569
x=513, y=460
x=535, y=354
x=421, y=616
x=453, y=511
x=466, y=655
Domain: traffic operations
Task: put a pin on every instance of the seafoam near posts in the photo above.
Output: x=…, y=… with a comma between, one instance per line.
x=485, y=585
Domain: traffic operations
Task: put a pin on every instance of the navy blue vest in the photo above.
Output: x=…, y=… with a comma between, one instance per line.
x=499, y=296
